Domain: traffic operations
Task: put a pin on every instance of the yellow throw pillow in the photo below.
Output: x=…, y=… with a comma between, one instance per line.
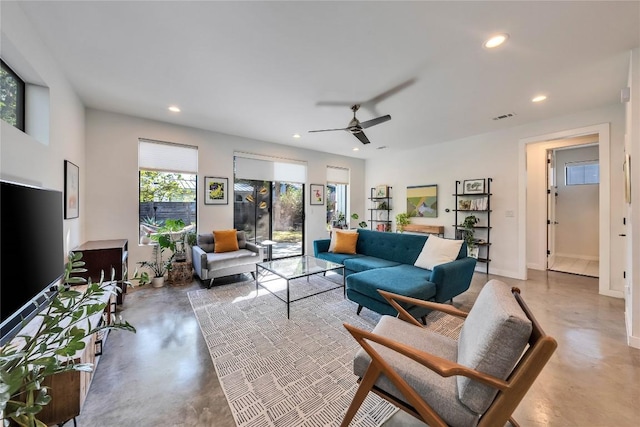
x=345, y=242
x=225, y=240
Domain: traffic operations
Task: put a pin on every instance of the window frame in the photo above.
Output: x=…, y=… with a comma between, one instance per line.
x=20, y=96
x=580, y=164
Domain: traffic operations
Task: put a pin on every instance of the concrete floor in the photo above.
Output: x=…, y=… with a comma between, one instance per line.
x=163, y=375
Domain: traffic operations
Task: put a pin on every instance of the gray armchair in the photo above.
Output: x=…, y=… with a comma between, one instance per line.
x=210, y=265
x=478, y=380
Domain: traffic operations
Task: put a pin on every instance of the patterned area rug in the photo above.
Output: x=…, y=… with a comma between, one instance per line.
x=289, y=372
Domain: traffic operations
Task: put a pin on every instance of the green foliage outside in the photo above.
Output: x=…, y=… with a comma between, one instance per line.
x=166, y=187
x=8, y=97
x=291, y=203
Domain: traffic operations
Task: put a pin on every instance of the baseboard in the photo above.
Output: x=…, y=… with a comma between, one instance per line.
x=536, y=266
x=612, y=293
x=498, y=272
x=583, y=257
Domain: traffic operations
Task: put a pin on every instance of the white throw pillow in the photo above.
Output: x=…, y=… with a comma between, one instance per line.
x=438, y=251
x=334, y=233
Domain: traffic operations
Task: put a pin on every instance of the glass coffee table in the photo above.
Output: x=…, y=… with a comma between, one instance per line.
x=295, y=268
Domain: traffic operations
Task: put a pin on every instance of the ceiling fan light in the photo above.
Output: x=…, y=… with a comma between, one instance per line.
x=174, y=109
x=539, y=98
x=496, y=41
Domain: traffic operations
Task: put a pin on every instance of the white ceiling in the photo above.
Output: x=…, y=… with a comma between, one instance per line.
x=263, y=70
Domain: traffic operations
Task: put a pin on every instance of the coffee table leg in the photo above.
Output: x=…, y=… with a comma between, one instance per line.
x=288, y=298
x=256, y=279
x=344, y=284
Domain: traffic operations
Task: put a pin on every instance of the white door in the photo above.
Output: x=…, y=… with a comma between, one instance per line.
x=552, y=194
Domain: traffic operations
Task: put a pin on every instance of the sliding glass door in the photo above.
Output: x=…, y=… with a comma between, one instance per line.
x=271, y=210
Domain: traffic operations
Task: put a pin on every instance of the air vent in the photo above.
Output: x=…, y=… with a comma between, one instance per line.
x=504, y=116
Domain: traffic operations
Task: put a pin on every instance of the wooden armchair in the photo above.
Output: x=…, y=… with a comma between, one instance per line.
x=477, y=380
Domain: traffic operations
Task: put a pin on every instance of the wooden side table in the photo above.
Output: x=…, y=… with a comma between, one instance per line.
x=181, y=273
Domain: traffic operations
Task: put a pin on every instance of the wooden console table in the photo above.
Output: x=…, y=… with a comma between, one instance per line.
x=103, y=256
x=426, y=229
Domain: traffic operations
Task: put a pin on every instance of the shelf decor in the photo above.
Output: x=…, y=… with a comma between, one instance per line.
x=381, y=191
x=473, y=186
x=422, y=201
x=216, y=191
x=71, y=190
x=317, y=194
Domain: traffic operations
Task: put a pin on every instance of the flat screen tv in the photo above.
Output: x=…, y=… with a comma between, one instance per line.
x=31, y=253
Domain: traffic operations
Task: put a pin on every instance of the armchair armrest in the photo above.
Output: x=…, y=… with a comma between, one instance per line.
x=404, y=315
x=321, y=245
x=439, y=365
x=199, y=258
x=255, y=248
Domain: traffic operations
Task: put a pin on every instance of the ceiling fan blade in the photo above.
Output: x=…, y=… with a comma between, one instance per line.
x=362, y=137
x=327, y=130
x=384, y=95
x=374, y=122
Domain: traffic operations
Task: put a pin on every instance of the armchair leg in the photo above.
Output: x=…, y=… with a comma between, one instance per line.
x=210, y=284
x=424, y=320
x=359, y=310
x=366, y=384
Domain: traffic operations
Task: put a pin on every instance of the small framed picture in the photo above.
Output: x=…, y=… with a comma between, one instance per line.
x=473, y=186
x=71, y=190
x=381, y=191
x=216, y=191
x=317, y=194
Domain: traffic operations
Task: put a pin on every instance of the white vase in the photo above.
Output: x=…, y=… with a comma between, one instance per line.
x=157, y=282
x=472, y=252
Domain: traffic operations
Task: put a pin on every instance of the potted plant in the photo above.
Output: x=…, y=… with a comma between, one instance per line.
x=49, y=349
x=402, y=220
x=361, y=224
x=468, y=226
x=158, y=266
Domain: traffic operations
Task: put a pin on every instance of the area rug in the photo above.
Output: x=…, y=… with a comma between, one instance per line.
x=284, y=372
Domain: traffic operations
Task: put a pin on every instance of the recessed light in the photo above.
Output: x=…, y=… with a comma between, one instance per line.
x=496, y=41
x=356, y=149
x=539, y=98
x=174, y=109
x=296, y=135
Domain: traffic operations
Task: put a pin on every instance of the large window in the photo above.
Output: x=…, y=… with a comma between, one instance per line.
x=12, y=91
x=167, y=179
x=337, y=190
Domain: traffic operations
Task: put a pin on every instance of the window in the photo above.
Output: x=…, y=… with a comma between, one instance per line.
x=581, y=173
x=12, y=90
x=168, y=186
x=337, y=189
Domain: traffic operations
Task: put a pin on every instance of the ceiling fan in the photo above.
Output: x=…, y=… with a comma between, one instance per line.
x=356, y=127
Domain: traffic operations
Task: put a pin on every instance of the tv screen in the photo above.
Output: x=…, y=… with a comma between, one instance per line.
x=31, y=252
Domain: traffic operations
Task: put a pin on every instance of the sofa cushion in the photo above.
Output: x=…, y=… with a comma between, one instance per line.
x=402, y=279
x=345, y=242
x=492, y=340
x=337, y=258
x=225, y=240
x=439, y=392
x=438, y=251
x=334, y=236
x=217, y=261
x=242, y=239
x=205, y=242
x=364, y=263
x=396, y=247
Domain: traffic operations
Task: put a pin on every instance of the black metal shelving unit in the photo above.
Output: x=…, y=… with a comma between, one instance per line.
x=478, y=204
x=380, y=210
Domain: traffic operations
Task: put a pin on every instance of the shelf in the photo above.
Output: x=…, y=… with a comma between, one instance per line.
x=380, y=220
x=383, y=221
x=473, y=201
x=472, y=210
x=471, y=195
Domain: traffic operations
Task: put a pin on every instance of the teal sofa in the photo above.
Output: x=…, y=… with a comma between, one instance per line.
x=385, y=261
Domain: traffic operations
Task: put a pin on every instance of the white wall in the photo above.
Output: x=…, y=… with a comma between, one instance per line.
x=576, y=209
x=494, y=155
x=112, y=175
x=24, y=158
x=632, y=211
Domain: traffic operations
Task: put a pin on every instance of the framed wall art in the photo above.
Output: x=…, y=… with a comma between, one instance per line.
x=422, y=201
x=317, y=194
x=473, y=186
x=216, y=190
x=71, y=190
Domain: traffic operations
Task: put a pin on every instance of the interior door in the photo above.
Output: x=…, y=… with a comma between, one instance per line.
x=552, y=195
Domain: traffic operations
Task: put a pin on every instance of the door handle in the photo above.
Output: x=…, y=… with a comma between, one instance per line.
x=622, y=235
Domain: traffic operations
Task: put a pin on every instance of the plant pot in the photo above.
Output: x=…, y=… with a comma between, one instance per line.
x=157, y=282
x=472, y=252
x=145, y=240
